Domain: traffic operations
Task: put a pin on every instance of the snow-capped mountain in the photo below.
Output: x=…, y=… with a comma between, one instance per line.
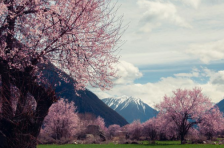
x=131, y=108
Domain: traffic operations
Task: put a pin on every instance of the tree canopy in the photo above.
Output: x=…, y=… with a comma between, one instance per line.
x=186, y=109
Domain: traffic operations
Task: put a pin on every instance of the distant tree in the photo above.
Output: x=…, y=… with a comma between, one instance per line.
x=166, y=130
x=150, y=128
x=100, y=122
x=194, y=135
x=78, y=36
x=158, y=128
x=135, y=129
x=212, y=124
x=87, y=119
x=185, y=109
x=113, y=130
x=61, y=121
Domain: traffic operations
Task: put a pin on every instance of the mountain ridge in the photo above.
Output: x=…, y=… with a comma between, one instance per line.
x=86, y=101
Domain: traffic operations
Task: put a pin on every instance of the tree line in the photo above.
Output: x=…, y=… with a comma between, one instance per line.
x=186, y=115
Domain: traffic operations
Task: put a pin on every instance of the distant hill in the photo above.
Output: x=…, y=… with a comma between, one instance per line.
x=221, y=105
x=131, y=108
x=86, y=102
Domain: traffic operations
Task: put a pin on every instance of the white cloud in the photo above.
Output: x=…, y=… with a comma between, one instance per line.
x=166, y=42
x=153, y=93
x=127, y=73
x=207, y=52
x=217, y=78
x=157, y=57
x=194, y=73
x=193, y=3
x=155, y=10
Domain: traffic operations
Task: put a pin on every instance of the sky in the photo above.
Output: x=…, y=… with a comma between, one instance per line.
x=170, y=44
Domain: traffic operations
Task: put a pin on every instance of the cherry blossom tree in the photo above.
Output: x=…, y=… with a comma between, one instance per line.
x=113, y=130
x=135, y=129
x=100, y=122
x=212, y=124
x=78, y=36
x=61, y=121
x=166, y=130
x=90, y=119
x=150, y=128
x=89, y=124
x=157, y=128
x=85, y=120
x=185, y=109
x=194, y=135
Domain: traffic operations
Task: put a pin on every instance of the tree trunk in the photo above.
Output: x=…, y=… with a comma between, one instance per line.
x=21, y=130
x=6, y=115
x=182, y=139
x=16, y=137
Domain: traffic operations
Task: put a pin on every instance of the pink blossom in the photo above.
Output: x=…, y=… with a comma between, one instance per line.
x=62, y=120
x=185, y=109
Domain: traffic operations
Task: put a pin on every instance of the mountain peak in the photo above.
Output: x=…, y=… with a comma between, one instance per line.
x=130, y=105
x=124, y=101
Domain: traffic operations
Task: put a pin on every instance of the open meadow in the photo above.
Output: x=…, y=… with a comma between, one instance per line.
x=169, y=144
x=130, y=146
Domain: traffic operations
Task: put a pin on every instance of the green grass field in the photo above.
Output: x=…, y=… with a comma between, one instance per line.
x=170, y=144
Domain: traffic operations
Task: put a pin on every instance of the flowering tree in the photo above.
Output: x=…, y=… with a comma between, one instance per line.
x=151, y=128
x=194, y=135
x=78, y=36
x=158, y=128
x=212, y=124
x=85, y=120
x=166, y=130
x=61, y=121
x=100, y=122
x=185, y=109
x=90, y=119
x=135, y=129
x=113, y=130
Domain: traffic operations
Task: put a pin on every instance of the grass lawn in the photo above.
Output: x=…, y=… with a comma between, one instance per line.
x=159, y=144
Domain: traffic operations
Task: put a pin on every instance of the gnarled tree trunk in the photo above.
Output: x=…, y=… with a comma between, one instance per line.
x=23, y=127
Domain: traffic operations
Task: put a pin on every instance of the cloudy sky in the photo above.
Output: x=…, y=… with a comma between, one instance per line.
x=170, y=44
